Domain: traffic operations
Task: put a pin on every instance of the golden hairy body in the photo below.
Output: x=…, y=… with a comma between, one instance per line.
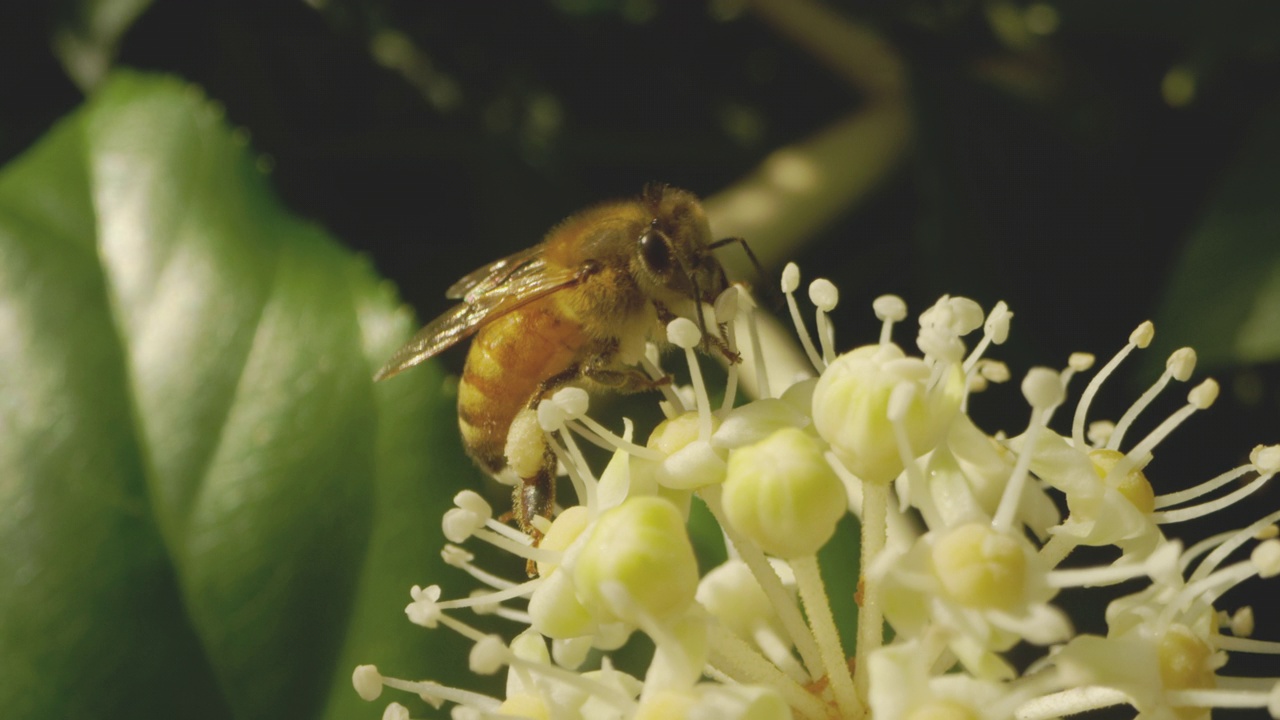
x=575, y=309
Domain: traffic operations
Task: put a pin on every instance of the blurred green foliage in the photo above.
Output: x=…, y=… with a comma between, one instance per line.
x=205, y=504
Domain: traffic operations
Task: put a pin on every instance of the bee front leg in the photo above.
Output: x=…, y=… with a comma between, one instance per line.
x=710, y=341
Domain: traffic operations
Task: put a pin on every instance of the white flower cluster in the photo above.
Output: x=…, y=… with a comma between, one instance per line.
x=962, y=543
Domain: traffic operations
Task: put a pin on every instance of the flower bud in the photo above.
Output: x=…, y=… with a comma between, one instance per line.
x=782, y=494
x=555, y=609
x=1133, y=485
x=690, y=462
x=643, y=548
x=981, y=567
x=566, y=528
x=851, y=408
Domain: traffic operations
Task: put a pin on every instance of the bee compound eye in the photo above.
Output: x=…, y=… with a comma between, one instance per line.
x=656, y=251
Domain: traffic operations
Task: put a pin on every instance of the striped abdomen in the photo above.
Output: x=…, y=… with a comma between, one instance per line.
x=508, y=360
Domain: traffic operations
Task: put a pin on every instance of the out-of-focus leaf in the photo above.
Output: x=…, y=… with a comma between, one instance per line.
x=207, y=507
x=1224, y=295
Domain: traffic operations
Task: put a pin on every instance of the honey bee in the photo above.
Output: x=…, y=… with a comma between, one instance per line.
x=575, y=309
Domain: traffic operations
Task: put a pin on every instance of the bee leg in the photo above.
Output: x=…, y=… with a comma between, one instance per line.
x=710, y=341
x=605, y=369
x=553, y=383
x=665, y=316
x=625, y=380
x=533, y=497
x=720, y=343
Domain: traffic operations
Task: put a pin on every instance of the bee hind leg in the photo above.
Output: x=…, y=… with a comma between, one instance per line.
x=535, y=497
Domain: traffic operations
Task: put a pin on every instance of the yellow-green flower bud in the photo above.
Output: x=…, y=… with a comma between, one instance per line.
x=1132, y=484
x=566, y=528
x=640, y=548
x=852, y=409
x=690, y=462
x=782, y=494
x=981, y=567
x=556, y=611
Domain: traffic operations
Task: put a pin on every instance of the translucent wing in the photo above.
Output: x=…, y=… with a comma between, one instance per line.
x=492, y=275
x=497, y=294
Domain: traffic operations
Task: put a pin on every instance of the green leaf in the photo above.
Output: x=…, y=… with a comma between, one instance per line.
x=1224, y=295
x=207, y=508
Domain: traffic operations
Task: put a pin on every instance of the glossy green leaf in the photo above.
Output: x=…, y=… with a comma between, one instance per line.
x=207, y=507
x=1224, y=295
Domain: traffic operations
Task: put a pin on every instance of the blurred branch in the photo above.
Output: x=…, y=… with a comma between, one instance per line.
x=87, y=43
x=800, y=188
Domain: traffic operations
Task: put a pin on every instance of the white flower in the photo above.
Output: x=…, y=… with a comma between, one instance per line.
x=972, y=572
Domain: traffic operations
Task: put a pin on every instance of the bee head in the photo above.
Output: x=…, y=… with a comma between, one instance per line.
x=672, y=252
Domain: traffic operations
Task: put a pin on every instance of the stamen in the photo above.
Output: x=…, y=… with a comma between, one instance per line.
x=824, y=296
x=519, y=549
x=484, y=606
x=684, y=334
x=584, y=483
x=1156, y=565
x=1044, y=391
x=1233, y=543
x=1076, y=363
x=1204, y=488
x=994, y=330
x=899, y=403
x=1200, y=398
x=1178, y=367
x=791, y=281
x=726, y=311
x=1058, y=548
x=457, y=557
x=1249, y=645
x=426, y=688
x=1139, y=338
x=757, y=350
x=602, y=437
x=889, y=309
x=1207, y=589
x=586, y=685
x=506, y=530
x=1216, y=698
x=1212, y=506
x=673, y=405
x=524, y=589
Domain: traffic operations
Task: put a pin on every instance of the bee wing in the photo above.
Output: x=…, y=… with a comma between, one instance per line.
x=529, y=281
x=492, y=275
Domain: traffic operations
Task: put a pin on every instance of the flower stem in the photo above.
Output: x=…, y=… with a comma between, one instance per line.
x=813, y=594
x=779, y=598
x=875, y=508
x=742, y=663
